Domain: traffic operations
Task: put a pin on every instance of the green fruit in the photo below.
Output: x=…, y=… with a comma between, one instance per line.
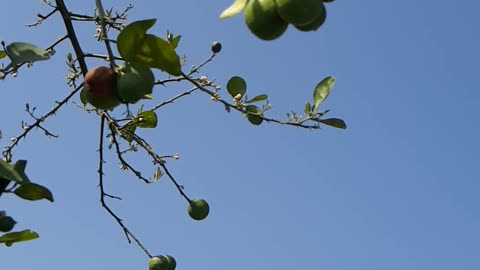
x=198, y=209
x=298, y=12
x=216, y=47
x=6, y=223
x=135, y=82
x=158, y=263
x=313, y=26
x=263, y=20
x=171, y=262
x=254, y=114
x=98, y=89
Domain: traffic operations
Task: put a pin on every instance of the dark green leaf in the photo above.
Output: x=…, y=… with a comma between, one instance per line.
x=21, y=52
x=8, y=172
x=236, y=8
x=9, y=238
x=20, y=166
x=147, y=120
x=2, y=54
x=131, y=38
x=334, y=122
x=128, y=132
x=236, y=86
x=6, y=223
x=258, y=98
x=322, y=90
x=33, y=192
x=254, y=114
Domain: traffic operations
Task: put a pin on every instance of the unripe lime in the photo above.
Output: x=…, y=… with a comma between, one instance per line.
x=6, y=223
x=263, y=20
x=98, y=89
x=299, y=12
x=198, y=209
x=158, y=263
x=216, y=47
x=313, y=26
x=134, y=82
x=172, y=263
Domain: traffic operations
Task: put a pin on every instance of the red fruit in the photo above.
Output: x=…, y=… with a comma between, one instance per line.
x=99, y=88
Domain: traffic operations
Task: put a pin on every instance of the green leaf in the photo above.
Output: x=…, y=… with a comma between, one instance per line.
x=33, y=192
x=6, y=223
x=132, y=37
x=8, y=172
x=20, y=166
x=254, y=114
x=21, y=52
x=135, y=45
x=234, y=9
x=128, y=132
x=26, y=235
x=258, y=98
x=83, y=97
x=147, y=119
x=236, y=85
x=158, y=53
x=308, y=109
x=334, y=122
x=322, y=90
x=174, y=42
x=2, y=54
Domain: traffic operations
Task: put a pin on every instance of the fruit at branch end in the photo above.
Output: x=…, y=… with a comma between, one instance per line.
x=297, y=12
x=135, y=82
x=263, y=20
x=216, y=47
x=198, y=209
x=158, y=263
x=99, y=89
x=313, y=26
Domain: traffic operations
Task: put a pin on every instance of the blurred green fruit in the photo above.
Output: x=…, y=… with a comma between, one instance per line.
x=6, y=223
x=298, y=12
x=216, y=47
x=158, y=263
x=172, y=263
x=313, y=26
x=98, y=89
x=135, y=81
x=198, y=209
x=263, y=20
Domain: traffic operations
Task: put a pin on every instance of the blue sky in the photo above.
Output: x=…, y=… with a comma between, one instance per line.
x=397, y=190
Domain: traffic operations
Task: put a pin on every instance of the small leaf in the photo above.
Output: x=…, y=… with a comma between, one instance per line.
x=83, y=97
x=33, y=192
x=334, y=122
x=9, y=238
x=147, y=119
x=174, y=42
x=254, y=114
x=322, y=90
x=236, y=86
x=132, y=37
x=234, y=9
x=21, y=52
x=158, y=174
x=258, y=98
x=2, y=54
x=308, y=109
x=128, y=132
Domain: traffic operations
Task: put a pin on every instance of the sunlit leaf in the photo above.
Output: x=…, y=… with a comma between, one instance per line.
x=158, y=53
x=132, y=37
x=234, y=9
x=9, y=238
x=21, y=52
x=147, y=120
x=174, y=42
x=33, y=192
x=334, y=122
x=254, y=114
x=2, y=54
x=258, y=98
x=8, y=172
x=322, y=90
x=236, y=86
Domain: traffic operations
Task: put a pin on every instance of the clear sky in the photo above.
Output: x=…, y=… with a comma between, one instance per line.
x=399, y=189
